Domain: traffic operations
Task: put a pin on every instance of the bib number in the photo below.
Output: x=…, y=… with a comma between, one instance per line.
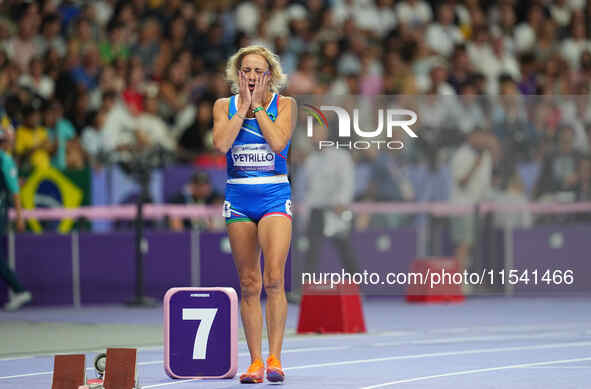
x=227, y=211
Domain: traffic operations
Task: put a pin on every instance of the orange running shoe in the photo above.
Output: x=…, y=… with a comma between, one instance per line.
x=274, y=370
x=254, y=374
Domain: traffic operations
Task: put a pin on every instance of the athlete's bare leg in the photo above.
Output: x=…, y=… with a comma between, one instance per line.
x=274, y=238
x=246, y=253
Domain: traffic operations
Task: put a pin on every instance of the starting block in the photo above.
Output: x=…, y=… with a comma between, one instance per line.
x=69, y=371
x=331, y=310
x=116, y=370
x=201, y=333
x=443, y=291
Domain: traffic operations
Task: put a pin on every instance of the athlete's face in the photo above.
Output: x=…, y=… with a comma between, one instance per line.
x=253, y=66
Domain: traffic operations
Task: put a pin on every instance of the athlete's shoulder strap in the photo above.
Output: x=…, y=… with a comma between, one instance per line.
x=231, y=106
x=273, y=109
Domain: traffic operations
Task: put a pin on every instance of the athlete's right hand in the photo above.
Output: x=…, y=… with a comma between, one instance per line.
x=245, y=95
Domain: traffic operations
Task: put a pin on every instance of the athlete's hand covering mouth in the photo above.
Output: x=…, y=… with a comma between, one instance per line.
x=245, y=93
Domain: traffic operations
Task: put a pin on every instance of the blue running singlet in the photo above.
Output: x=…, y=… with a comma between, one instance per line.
x=257, y=184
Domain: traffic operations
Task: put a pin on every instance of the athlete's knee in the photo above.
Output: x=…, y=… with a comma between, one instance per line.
x=250, y=284
x=273, y=281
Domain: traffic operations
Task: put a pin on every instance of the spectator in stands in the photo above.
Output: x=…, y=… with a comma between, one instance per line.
x=469, y=115
x=175, y=90
x=573, y=47
x=248, y=14
x=148, y=46
x=61, y=132
x=348, y=83
x=386, y=183
x=329, y=187
x=559, y=175
x=35, y=79
x=460, y=69
x=119, y=129
x=397, y=77
x=471, y=169
x=21, y=48
x=198, y=137
x=526, y=32
x=511, y=191
x=86, y=75
x=443, y=35
x=155, y=131
x=83, y=38
x=502, y=20
x=529, y=74
x=32, y=143
x=303, y=80
x=414, y=13
x=79, y=110
x=510, y=122
x=560, y=11
x=438, y=80
x=583, y=188
x=199, y=191
x=9, y=78
x=9, y=192
x=480, y=50
x=50, y=39
x=547, y=45
x=92, y=140
x=116, y=46
x=378, y=19
x=576, y=111
x=501, y=62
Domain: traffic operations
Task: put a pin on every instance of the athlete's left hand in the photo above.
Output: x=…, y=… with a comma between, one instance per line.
x=260, y=89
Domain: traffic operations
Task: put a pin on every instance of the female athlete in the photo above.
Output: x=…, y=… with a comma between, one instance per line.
x=253, y=128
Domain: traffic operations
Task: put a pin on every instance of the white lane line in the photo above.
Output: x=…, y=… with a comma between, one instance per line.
x=504, y=349
x=246, y=354
x=445, y=354
x=242, y=342
x=559, y=367
x=25, y=375
x=463, y=339
x=397, y=357
x=170, y=383
x=306, y=349
x=16, y=358
x=426, y=355
x=307, y=337
x=513, y=328
x=147, y=363
x=78, y=351
x=476, y=371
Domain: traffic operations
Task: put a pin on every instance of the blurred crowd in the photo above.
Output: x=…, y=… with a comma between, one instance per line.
x=88, y=83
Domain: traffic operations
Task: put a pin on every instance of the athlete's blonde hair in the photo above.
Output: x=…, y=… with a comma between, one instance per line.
x=278, y=78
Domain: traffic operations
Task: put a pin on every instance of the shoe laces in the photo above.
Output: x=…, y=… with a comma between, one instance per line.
x=255, y=366
x=272, y=361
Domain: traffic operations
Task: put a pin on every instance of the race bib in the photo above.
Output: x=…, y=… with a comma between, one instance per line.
x=227, y=211
x=253, y=157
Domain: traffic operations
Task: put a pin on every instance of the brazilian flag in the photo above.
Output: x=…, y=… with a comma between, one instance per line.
x=50, y=187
